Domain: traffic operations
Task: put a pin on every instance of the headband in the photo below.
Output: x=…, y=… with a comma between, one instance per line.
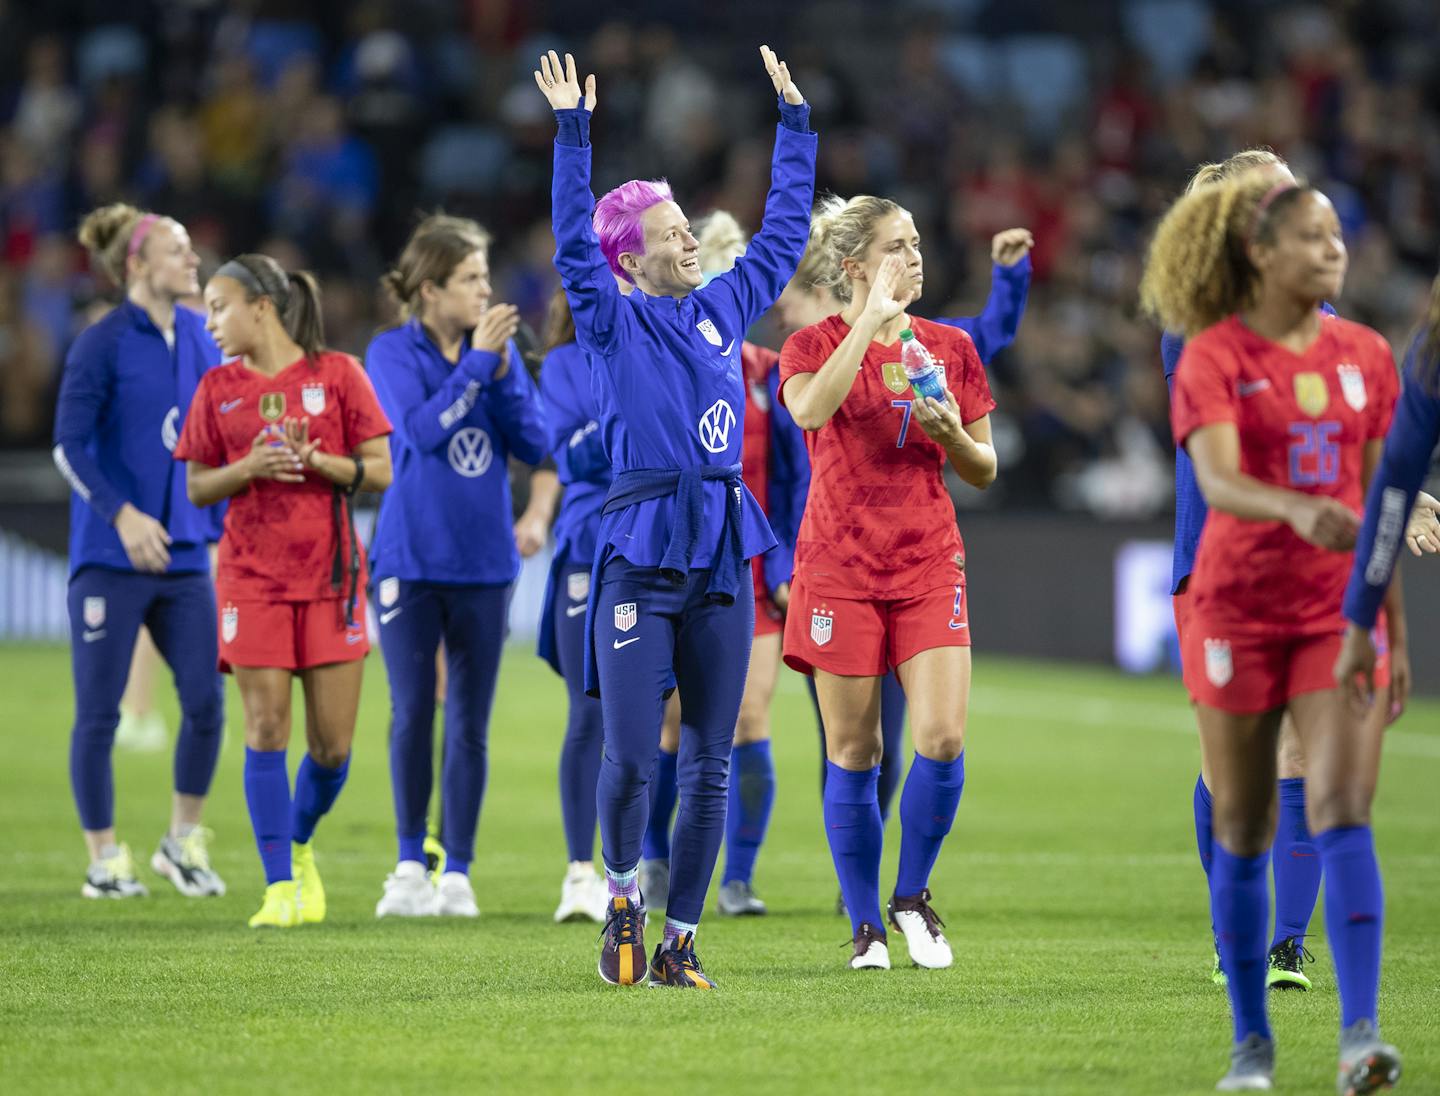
x=1264, y=207
x=138, y=234
x=251, y=281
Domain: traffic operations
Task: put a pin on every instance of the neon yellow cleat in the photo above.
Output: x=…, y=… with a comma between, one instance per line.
x=310, y=892
x=434, y=858
x=280, y=909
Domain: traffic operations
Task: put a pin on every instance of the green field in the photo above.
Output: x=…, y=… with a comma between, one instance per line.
x=1070, y=886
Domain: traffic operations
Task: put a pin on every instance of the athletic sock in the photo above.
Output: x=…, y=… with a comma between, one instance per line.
x=267, y=793
x=1296, y=865
x=1239, y=906
x=674, y=930
x=856, y=835
x=624, y=884
x=412, y=848
x=752, y=798
x=1204, y=834
x=927, y=811
x=1354, y=917
x=664, y=790
x=316, y=789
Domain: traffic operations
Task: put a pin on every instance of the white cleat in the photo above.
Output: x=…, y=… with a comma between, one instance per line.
x=583, y=895
x=870, y=950
x=1252, y=1066
x=921, y=927
x=1367, y=1064
x=455, y=897
x=408, y=892
x=113, y=876
x=185, y=862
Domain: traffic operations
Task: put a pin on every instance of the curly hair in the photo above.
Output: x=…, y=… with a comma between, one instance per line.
x=1247, y=159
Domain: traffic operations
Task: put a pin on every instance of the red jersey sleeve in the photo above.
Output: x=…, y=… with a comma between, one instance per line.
x=1206, y=388
x=804, y=352
x=363, y=417
x=200, y=439
x=1386, y=379
x=973, y=394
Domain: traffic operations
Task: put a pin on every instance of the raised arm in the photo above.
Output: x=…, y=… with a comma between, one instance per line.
x=994, y=329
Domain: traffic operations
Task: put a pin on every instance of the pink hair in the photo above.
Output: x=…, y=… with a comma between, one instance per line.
x=617, y=219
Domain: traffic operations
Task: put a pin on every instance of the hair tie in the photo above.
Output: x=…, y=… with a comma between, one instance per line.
x=241, y=272
x=138, y=234
x=1264, y=207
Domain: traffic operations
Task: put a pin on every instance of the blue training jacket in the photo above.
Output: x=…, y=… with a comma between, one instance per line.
x=579, y=451
x=123, y=399
x=994, y=329
x=1403, y=466
x=447, y=516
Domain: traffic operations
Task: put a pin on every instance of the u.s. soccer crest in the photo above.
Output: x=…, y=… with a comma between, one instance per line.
x=1312, y=394
x=312, y=397
x=625, y=616
x=389, y=592
x=822, y=626
x=706, y=328
x=94, y=612
x=577, y=585
x=893, y=373
x=1218, y=665
x=272, y=406
x=229, y=623
x=1352, y=386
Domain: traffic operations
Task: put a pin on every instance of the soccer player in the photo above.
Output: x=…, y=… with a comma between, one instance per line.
x=1282, y=410
x=668, y=601
x=444, y=556
x=287, y=431
x=879, y=565
x=137, y=544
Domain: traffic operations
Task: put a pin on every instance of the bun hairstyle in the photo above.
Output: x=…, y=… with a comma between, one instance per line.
x=438, y=245
x=841, y=229
x=722, y=241
x=112, y=234
x=295, y=295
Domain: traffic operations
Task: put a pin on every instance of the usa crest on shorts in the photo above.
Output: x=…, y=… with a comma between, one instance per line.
x=389, y=592
x=577, y=585
x=822, y=626
x=1219, y=667
x=1352, y=386
x=312, y=397
x=229, y=623
x=625, y=616
x=94, y=612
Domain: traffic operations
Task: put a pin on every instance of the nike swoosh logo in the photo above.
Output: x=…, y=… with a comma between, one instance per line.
x=230, y=405
x=1249, y=388
x=956, y=625
x=575, y=610
x=625, y=643
x=91, y=637
x=386, y=618
x=726, y=351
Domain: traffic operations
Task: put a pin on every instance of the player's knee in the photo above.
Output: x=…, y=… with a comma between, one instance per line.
x=205, y=714
x=940, y=742
x=855, y=756
x=267, y=729
x=96, y=729
x=328, y=755
x=752, y=726
x=1335, y=808
x=1243, y=834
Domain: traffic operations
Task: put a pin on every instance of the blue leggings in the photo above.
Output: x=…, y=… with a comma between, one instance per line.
x=584, y=729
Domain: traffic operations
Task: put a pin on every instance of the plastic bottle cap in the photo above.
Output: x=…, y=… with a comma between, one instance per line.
x=906, y=335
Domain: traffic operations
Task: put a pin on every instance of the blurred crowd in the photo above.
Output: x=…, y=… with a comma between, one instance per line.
x=318, y=131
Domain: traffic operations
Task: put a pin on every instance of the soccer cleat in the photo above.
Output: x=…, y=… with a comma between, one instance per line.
x=1366, y=1063
x=1285, y=960
x=309, y=891
x=678, y=967
x=655, y=884
x=113, y=877
x=281, y=908
x=142, y=733
x=1252, y=1066
x=434, y=858
x=737, y=899
x=622, y=944
x=583, y=896
x=408, y=892
x=871, y=952
x=454, y=897
x=921, y=926
x=1217, y=970
x=186, y=863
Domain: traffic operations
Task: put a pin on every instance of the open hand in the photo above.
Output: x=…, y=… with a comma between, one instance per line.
x=882, y=305
x=297, y=437
x=780, y=77
x=561, y=87
x=268, y=460
x=146, y=542
x=1422, y=534
x=1010, y=246
x=940, y=421
x=1355, y=669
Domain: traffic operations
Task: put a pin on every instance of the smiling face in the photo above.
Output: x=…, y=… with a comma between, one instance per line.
x=166, y=264
x=1304, y=255
x=670, y=266
x=233, y=322
x=461, y=300
x=893, y=234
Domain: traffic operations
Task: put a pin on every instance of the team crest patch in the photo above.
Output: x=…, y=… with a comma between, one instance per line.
x=272, y=406
x=94, y=612
x=1312, y=394
x=312, y=397
x=389, y=592
x=708, y=329
x=1352, y=386
x=577, y=585
x=895, y=378
x=229, y=623
x=822, y=626
x=1218, y=666
x=760, y=396
x=625, y=616
x=170, y=429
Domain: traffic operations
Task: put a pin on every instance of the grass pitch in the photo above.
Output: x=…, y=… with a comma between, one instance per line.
x=1070, y=884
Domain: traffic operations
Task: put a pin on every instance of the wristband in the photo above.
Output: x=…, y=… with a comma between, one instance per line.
x=359, y=476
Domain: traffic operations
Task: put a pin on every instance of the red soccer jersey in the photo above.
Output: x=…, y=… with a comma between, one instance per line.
x=878, y=521
x=1303, y=421
x=756, y=362
x=280, y=538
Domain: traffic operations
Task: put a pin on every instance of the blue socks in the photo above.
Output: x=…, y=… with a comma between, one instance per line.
x=1296, y=865
x=1204, y=823
x=752, y=797
x=316, y=789
x=856, y=834
x=1240, y=908
x=1354, y=914
x=664, y=790
x=927, y=810
x=267, y=792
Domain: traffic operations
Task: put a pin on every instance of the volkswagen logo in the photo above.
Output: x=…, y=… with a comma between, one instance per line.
x=715, y=427
x=470, y=452
x=169, y=429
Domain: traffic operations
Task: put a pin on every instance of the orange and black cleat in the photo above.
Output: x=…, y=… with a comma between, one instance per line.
x=677, y=966
x=622, y=944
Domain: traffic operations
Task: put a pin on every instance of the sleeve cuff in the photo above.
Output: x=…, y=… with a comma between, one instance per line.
x=795, y=116
x=1018, y=273
x=572, y=127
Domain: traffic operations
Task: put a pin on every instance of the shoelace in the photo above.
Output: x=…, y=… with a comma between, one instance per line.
x=121, y=865
x=1291, y=952
x=866, y=933
x=932, y=919
x=627, y=931
x=195, y=849
x=681, y=957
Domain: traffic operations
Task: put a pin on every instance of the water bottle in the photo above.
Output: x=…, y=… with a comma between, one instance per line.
x=923, y=372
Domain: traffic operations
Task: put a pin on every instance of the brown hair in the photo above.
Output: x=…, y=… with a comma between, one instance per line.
x=438, y=245
x=1247, y=159
x=559, y=323
x=840, y=230
x=106, y=233
x=1198, y=270
x=295, y=295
